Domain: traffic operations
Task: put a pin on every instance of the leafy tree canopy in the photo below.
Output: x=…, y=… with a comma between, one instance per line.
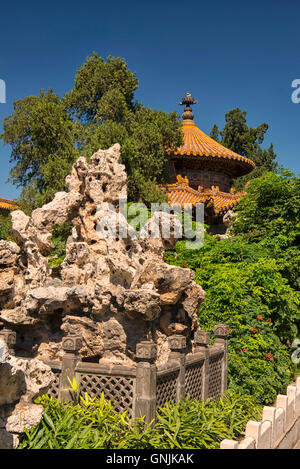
x=270, y=209
x=47, y=133
x=42, y=138
x=246, y=141
x=269, y=217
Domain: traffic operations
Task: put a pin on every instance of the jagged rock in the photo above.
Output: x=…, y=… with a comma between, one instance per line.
x=12, y=384
x=38, y=376
x=24, y=416
x=24, y=230
x=229, y=218
x=46, y=300
x=57, y=212
x=142, y=302
x=169, y=281
x=37, y=265
x=8, y=253
x=18, y=316
x=160, y=233
x=20, y=223
x=21, y=381
x=170, y=327
x=6, y=281
x=114, y=289
x=9, y=279
x=194, y=296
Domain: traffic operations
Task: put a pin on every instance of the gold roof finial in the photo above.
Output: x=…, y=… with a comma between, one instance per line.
x=188, y=100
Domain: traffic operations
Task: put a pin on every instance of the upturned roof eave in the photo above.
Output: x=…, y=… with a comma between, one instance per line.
x=217, y=153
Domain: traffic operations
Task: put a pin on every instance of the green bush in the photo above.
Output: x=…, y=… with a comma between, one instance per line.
x=93, y=424
x=247, y=291
x=252, y=283
x=60, y=235
x=5, y=227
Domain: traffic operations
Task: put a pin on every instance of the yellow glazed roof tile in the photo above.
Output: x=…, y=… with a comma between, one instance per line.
x=197, y=143
x=6, y=204
x=181, y=193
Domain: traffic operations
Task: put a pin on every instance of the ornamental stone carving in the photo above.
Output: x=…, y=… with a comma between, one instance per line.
x=202, y=338
x=146, y=351
x=177, y=342
x=221, y=331
x=71, y=343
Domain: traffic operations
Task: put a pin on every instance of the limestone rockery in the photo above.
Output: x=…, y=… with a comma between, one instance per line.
x=113, y=291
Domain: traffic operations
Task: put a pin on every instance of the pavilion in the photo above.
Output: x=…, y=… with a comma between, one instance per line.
x=201, y=171
x=7, y=206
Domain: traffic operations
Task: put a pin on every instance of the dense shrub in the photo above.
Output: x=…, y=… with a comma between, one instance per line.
x=251, y=282
x=60, y=235
x=93, y=424
x=259, y=306
x=5, y=227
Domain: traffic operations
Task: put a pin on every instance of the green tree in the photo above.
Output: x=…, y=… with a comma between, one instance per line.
x=42, y=138
x=215, y=133
x=47, y=133
x=102, y=101
x=246, y=141
x=271, y=209
x=103, y=90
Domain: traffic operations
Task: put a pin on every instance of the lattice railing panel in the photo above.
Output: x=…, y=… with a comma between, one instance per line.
x=53, y=390
x=193, y=381
x=166, y=388
x=118, y=389
x=215, y=376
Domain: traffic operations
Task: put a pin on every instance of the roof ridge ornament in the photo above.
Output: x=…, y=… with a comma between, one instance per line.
x=188, y=100
x=182, y=180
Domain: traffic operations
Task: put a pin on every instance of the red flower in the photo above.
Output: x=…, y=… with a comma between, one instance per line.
x=258, y=317
x=230, y=330
x=244, y=350
x=269, y=356
x=185, y=264
x=254, y=330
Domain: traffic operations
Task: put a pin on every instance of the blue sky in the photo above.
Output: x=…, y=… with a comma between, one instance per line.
x=227, y=54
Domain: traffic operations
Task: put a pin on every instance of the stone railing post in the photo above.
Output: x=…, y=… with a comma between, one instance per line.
x=201, y=340
x=9, y=337
x=145, y=395
x=177, y=344
x=221, y=332
x=71, y=345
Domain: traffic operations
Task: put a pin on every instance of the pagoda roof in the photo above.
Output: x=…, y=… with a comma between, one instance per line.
x=197, y=143
x=6, y=204
x=181, y=193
